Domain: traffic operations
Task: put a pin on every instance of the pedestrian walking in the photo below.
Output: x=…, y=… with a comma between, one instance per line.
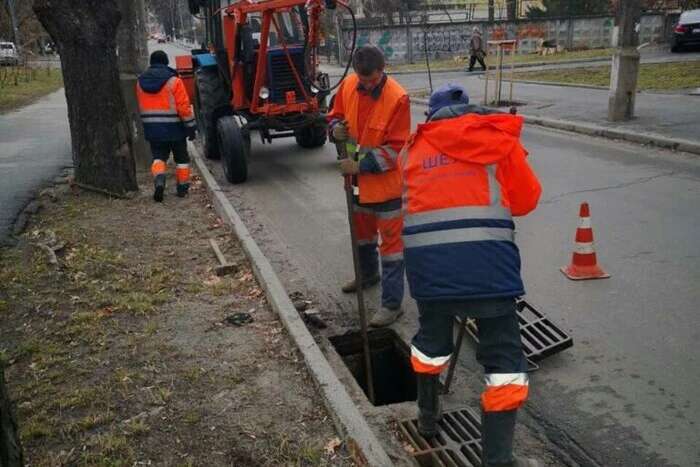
x=465, y=175
x=371, y=115
x=476, y=50
x=168, y=120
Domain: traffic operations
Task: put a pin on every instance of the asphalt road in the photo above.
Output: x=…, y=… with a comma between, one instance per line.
x=626, y=393
x=34, y=147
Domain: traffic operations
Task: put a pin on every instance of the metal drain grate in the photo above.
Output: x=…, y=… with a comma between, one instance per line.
x=457, y=444
x=540, y=337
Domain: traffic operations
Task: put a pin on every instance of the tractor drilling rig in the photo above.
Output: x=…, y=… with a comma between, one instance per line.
x=258, y=70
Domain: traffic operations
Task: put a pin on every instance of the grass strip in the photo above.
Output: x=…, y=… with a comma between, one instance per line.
x=445, y=64
x=20, y=86
x=652, y=76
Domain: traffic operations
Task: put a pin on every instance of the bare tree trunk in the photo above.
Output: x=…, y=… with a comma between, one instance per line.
x=133, y=60
x=84, y=32
x=12, y=10
x=10, y=447
x=512, y=10
x=491, y=13
x=131, y=37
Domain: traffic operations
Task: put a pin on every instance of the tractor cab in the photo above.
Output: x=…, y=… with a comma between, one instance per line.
x=257, y=72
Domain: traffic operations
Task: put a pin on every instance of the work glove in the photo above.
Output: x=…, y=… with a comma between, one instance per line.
x=349, y=167
x=191, y=134
x=340, y=132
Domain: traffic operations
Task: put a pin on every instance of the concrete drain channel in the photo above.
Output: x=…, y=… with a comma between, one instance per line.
x=458, y=443
x=394, y=381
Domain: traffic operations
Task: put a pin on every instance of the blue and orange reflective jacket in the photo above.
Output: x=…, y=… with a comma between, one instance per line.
x=464, y=178
x=165, y=108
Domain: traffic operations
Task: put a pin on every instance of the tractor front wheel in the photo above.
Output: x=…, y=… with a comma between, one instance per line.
x=234, y=149
x=311, y=136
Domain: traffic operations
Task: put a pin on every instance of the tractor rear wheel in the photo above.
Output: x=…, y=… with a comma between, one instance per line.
x=234, y=149
x=311, y=136
x=210, y=95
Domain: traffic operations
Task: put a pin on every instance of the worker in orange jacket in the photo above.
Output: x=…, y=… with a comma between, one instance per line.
x=371, y=115
x=168, y=120
x=465, y=175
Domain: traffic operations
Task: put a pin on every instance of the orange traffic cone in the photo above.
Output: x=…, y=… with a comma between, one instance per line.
x=584, y=264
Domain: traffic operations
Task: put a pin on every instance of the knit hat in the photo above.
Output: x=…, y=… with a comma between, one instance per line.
x=159, y=58
x=446, y=95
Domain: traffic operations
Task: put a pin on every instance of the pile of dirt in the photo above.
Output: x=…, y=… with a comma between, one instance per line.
x=123, y=347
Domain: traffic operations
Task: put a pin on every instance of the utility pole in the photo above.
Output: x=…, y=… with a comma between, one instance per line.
x=133, y=60
x=625, y=62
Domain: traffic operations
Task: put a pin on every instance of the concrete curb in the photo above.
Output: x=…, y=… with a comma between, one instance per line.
x=591, y=86
x=564, y=85
x=361, y=441
x=481, y=72
x=590, y=129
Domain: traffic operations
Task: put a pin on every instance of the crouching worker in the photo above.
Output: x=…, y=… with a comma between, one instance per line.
x=465, y=175
x=167, y=119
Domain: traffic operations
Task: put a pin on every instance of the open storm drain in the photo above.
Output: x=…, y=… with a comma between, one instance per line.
x=393, y=376
x=457, y=444
x=540, y=337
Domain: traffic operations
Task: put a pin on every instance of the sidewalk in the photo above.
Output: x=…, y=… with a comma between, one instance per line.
x=36, y=145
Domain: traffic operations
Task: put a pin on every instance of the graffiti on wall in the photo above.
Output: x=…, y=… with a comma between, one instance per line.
x=383, y=41
x=441, y=40
x=401, y=44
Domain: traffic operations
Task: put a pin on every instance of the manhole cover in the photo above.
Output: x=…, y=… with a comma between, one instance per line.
x=540, y=337
x=457, y=444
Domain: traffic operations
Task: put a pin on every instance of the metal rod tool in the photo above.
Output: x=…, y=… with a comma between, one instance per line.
x=343, y=154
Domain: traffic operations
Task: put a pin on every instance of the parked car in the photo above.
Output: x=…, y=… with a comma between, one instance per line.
x=8, y=54
x=687, y=31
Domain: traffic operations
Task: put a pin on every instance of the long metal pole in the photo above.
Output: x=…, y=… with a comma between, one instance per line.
x=343, y=154
x=455, y=355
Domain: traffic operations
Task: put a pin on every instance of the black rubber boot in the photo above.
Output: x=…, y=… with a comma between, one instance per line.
x=159, y=188
x=497, y=430
x=429, y=410
x=351, y=286
x=182, y=189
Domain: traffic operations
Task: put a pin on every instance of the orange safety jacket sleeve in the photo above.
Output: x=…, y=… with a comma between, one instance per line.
x=337, y=113
x=182, y=102
x=385, y=157
x=521, y=182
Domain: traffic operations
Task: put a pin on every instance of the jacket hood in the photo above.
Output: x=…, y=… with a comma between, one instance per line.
x=472, y=133
x=153, y=79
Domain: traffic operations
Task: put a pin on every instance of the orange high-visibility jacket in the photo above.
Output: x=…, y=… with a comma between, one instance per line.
x=380, y=128
x=463, y=180
x=165, y=108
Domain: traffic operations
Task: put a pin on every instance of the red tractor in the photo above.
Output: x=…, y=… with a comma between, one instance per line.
x=259, y=71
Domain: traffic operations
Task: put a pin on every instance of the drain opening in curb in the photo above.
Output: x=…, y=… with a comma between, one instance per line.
x=394, y=380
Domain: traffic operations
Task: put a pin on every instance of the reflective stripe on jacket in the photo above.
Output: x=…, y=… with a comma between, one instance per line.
x=166, y=113
x=463, y=179
x=380, y=137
